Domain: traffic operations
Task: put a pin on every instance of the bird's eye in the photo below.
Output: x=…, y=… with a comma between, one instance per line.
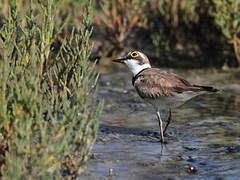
x=134, y=54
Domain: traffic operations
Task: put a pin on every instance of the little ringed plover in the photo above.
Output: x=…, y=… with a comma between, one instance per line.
x=162, y=89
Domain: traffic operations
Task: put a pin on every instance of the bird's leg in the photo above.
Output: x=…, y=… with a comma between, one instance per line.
x=168, y=122
x=160, y=123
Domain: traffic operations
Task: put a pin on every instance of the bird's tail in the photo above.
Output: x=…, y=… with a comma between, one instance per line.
x=206, y=88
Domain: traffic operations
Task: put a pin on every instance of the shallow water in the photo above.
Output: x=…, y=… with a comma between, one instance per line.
x=203, y=140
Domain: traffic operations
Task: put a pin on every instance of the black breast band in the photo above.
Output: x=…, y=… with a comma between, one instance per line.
x=137, y=75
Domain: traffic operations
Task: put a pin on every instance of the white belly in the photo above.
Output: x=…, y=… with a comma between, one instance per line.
x=166, y=102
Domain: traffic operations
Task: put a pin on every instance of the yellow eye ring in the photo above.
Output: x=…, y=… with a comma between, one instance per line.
x=134, y=54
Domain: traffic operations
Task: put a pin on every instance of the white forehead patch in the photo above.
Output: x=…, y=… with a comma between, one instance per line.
x=142, y=55
x=128, y=54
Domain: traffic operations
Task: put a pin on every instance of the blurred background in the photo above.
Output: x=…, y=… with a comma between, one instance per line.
x=186, y=33
x=60, y=93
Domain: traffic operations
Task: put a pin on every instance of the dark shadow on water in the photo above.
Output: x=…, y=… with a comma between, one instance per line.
x=126, y=131
x=133, y=133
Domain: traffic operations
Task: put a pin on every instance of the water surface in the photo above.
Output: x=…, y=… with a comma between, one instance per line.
x=203, y=140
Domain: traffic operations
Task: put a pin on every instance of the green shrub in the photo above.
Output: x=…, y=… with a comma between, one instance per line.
x=49, y=114
x=227, y=17
x=118, y=21
x=173, y=21
x=195, y=22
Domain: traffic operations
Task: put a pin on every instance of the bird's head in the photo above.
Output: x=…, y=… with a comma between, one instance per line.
x=135, y=61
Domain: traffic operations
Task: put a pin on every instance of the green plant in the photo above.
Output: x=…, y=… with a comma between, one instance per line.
x=227, y=18
x=119, y=20
x=49, y=114
x=172, y=21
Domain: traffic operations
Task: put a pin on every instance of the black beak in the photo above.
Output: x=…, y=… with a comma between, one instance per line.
x=120, y=60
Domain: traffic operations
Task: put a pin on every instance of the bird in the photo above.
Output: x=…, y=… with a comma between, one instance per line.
x=162, y=89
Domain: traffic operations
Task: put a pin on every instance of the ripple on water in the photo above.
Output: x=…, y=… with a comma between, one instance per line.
x=203, y=139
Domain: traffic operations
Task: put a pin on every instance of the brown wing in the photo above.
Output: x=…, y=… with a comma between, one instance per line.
x=152, y=83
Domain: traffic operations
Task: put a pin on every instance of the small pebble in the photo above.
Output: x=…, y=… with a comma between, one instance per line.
x=110, y=172
x=191, y=159
x=93, y=156
x=233, y=149
x=192, y=169
x=189, y=148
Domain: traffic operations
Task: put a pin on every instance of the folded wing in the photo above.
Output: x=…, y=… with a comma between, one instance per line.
x=153, y=83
